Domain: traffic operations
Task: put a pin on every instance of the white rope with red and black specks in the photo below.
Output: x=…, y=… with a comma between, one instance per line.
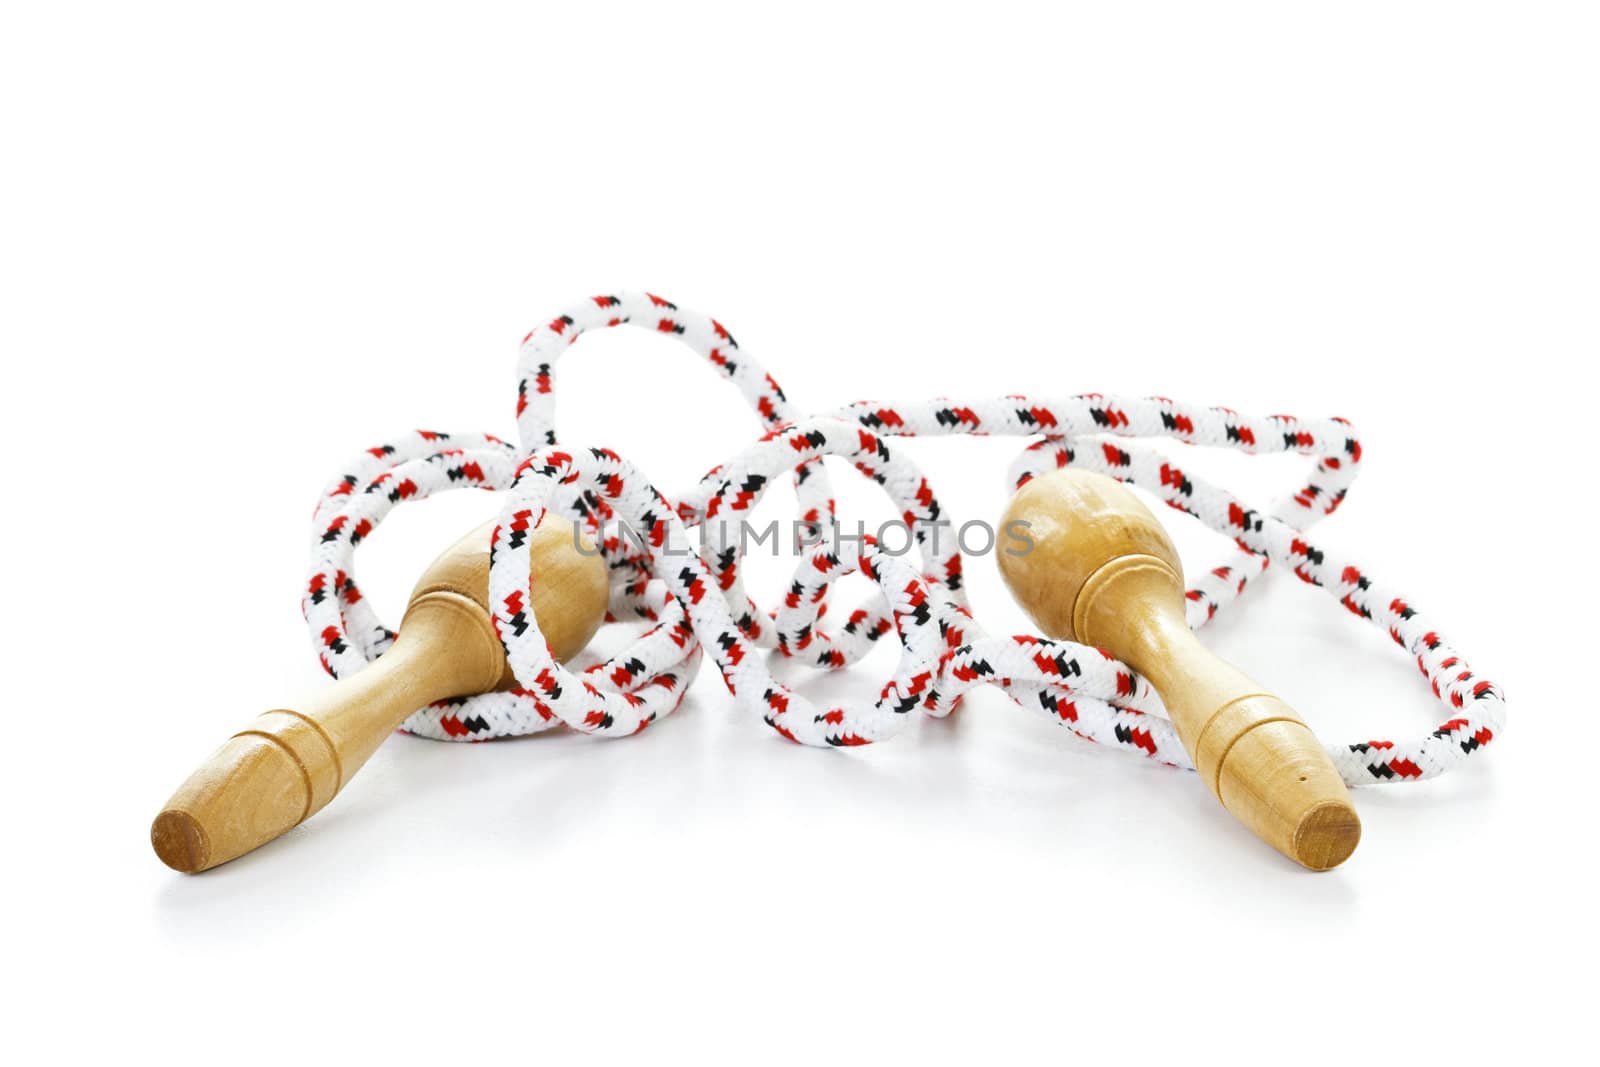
x=695, y=600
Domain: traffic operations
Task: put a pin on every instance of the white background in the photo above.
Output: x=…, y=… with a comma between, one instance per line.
x=239, y=246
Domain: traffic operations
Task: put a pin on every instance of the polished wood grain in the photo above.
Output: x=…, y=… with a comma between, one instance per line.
x=290, y=762
x=1103, y=572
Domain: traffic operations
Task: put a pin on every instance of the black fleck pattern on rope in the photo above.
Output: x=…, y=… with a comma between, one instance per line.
x=695, y=601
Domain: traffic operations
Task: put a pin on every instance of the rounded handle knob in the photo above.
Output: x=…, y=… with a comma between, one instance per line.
x=1102, y=571
x=289, y=763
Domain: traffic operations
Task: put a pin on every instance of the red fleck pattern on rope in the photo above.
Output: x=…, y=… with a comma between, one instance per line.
x=695, y=601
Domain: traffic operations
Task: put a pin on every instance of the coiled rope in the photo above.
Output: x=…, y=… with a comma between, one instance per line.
x=695, y=600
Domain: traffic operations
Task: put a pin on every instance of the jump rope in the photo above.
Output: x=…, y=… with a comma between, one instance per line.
x=694, y=599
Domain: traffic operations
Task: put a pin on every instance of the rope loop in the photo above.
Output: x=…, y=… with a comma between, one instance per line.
x=694, y=600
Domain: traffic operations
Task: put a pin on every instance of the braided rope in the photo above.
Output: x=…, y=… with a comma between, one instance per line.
x=694, y=598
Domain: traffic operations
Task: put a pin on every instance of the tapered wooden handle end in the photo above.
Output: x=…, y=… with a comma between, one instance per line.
x=181, y=841
x=1102, y=571
x=265, y=780
x=1273, y=775
x=289, y=763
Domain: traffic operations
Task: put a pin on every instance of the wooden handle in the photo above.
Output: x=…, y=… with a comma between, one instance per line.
x=287, y=764
x=1102, y=571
